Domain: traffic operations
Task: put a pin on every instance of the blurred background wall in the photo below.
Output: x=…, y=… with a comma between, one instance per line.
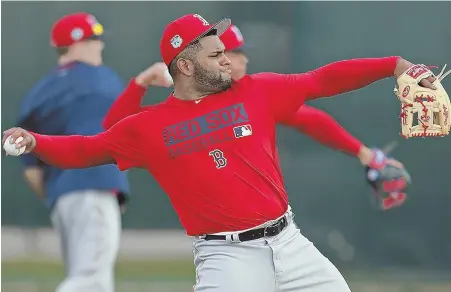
x=327, y=189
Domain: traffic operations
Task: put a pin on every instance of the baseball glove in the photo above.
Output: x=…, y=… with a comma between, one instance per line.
x=424, y=111
x=389, y=180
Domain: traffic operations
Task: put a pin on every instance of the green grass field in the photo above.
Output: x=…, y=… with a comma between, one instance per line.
x=178, y=276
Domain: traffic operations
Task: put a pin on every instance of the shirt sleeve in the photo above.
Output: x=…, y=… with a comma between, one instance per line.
x=287, y=92
x=128, y=143
x=324, y=129
x=128, y=103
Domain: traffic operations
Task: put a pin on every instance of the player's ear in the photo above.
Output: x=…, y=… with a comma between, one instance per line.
x=185, y=66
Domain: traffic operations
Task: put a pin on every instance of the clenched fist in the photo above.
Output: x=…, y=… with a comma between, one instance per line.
x=28, y=140
x=155, y=75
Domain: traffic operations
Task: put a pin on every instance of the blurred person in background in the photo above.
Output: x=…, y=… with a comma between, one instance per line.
x=308, y=120
x=85, y=204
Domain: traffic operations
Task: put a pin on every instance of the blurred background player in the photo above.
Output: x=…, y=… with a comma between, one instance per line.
x=308, y=120
x=85, y=204
x=313, y=122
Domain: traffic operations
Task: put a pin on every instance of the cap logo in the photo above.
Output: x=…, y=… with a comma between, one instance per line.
x=97, y=29
x=176, y=41
x=204, y=22
x=76, y=34
x=237, y=33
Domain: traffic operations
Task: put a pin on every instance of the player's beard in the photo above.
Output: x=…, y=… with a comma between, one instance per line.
x=209, y=81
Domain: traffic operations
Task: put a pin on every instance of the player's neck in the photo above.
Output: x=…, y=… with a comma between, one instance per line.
x=188, y=93
x=88, y=59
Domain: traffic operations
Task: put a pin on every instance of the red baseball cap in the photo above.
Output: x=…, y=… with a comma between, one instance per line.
x=72, y=28
x=232, y=38
x=185, y=30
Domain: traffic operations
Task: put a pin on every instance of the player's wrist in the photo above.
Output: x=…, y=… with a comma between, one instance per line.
x=401, y=66
x=35, y=137
x=365, y=155
x=140, y=81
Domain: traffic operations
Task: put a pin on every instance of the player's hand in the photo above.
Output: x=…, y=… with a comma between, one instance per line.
x=389, y=179
x=402, y=65
x=28, y=140
x=155, y=75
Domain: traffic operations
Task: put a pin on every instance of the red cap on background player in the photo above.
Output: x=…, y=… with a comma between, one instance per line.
x=232, y=38
x=184, y=31
x=73, y=28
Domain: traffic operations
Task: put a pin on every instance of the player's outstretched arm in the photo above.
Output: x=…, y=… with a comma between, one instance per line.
x=129, y=102
x=324, y=129
x=64, y=152
x=125, y=144
x=287, y=92
x=345, y=76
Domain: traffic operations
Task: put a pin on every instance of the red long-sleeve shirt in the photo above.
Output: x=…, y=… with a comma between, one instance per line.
x=310, y=121
x=216, y=159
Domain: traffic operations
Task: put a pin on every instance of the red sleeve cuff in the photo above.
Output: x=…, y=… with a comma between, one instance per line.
x=40, y=142
x=135, y=88
x=389, y=64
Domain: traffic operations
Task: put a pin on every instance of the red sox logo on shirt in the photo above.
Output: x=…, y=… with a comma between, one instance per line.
x=203, y=132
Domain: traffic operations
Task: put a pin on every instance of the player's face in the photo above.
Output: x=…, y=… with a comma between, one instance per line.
x=95, y=45
x=211, y=68
x=91, y=47
x=238, y=65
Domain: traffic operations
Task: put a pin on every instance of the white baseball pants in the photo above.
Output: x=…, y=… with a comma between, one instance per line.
x=288, y=262
x=89, y=226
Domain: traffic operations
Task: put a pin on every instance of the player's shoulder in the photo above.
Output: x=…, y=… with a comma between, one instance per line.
x=105, y=69
x=261, y=79
x=41, y=89
x=137, y=121
x=266, y=76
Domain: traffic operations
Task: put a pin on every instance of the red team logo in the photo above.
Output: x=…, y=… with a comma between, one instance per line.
x=218, y=157
x=207, y=130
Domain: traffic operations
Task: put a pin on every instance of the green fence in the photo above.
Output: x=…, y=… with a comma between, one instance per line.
x=326, y=188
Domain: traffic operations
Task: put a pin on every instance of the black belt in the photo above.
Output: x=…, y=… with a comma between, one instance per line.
x=269, y=231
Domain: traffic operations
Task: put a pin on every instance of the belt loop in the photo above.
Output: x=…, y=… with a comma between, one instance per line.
x=236, y=238
x=233, y=238
x=290, y=215
x=264, y=230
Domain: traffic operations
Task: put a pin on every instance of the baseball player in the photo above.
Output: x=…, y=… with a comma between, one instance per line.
x=310, y=121
x=72, y=99
x=227, y=189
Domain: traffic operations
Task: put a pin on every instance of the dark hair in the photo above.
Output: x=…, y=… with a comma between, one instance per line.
x=62, y=51
x=188, y=53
